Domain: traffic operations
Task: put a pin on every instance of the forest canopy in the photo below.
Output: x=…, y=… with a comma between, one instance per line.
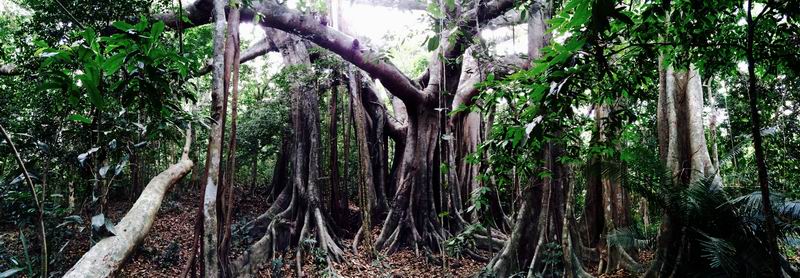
x=394, y=138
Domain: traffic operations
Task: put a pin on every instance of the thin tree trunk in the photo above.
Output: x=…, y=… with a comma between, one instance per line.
x=761, y=166
x=213, y=159
x=229, y=177
x=365, y=181
x=338, y=207
x=37, y=202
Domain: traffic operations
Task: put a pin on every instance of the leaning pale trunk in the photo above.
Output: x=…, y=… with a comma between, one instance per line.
x=210, y=229
x=108, y=255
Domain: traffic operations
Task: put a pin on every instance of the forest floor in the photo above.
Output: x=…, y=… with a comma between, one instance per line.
x=166, y=247
x=164, y=251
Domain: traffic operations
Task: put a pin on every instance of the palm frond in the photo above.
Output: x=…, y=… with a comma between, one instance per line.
x=790, y=209
x=719, y=252
x=630, y=237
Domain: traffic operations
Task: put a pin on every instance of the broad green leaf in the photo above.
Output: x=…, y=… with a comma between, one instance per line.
x=122, y=26
x=156, y=31
x=111, y=65
x=433, y=43
x=435, y=11
x=141, y=24
x=79, y=118
x=89, y=35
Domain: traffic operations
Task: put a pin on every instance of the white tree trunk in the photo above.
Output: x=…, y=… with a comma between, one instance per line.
x=210, y=230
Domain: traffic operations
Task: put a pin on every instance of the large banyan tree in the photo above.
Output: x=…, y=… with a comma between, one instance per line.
x=418, y=198
x=429, y=171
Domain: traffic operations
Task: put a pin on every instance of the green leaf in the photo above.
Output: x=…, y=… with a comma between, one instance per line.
x=622, y=17
x=141, y=25
x=435, y=11
x=91, y=80
x=10, y=272
x=89, y=35
x=80, y=119
x=574, y=45
x=111, y=65
x=451, y=4
x=156, y=31
x=433, y=43
x=49, y=85
x=122, y=26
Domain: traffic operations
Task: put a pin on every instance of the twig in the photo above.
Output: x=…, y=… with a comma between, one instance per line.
x=35, y=198
x=70, y=14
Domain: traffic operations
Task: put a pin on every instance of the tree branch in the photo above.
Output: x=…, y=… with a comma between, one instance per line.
x=198, y=13
x=306, y=26
x=400, y=4
x=262, y=47
x=8, y=70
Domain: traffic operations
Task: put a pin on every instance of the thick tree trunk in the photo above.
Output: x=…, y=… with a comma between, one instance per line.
x=376, y=122
x=105, y=257
x=573, y=267
x=366, y=171
x=413, y=217
x=518, y=249
x=552, y=210
x=280, y=173
x=539, y=221
x=607, y=201
x=682, y=137
x=297, y=213
x=366, y=189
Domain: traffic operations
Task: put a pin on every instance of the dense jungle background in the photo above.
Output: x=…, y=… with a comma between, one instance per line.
x=399, y=138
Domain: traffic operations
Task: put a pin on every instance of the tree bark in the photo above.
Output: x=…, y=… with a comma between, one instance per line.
x=297, y=213
x=338, y=200
x=683, y=148
x=230, y=172
x=366, y=188
x=210, y=237
x=533, y=226
x=761, y=166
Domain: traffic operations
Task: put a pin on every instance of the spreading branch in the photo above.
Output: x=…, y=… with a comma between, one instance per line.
x=262, y=47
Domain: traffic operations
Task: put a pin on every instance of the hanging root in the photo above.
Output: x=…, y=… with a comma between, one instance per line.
x=276, y=239
x=357, y=239
x=625, y=261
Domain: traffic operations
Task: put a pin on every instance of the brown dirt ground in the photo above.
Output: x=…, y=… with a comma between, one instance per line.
x=166, y=247
x=164, y=251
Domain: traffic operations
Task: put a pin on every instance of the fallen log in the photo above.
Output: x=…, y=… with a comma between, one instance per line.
x=110, y=253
